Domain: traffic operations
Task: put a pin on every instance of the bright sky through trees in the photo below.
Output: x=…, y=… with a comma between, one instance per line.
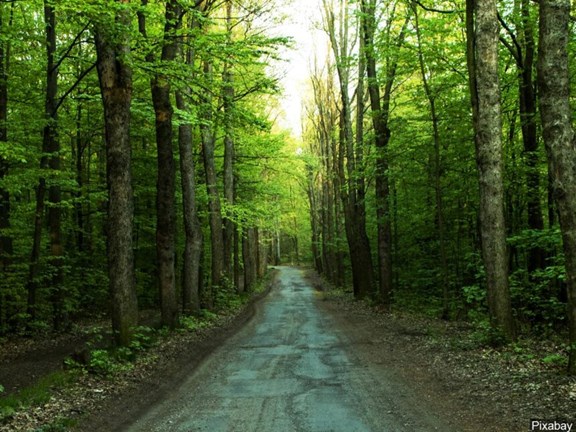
x=303, y=24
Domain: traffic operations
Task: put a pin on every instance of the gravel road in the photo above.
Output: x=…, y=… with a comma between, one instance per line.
x=291, y=368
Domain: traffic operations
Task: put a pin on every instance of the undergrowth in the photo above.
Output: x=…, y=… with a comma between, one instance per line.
x=35, y=395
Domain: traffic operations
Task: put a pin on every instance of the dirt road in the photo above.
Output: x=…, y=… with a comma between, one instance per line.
x=291, y=368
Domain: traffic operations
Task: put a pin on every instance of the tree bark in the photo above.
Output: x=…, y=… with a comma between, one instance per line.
x=192, y=228
x=6, y=243
x=115, y=77
x=214, y=205
x=380, y=112
x=437, y=171
x=229, y=151
x=352, y=191
x=484, y=86
x=536, y=255
x=559, y=139
x=250, y=257
x=166, y=180
x=50, y=160
x=166, y=183
x=523, y=50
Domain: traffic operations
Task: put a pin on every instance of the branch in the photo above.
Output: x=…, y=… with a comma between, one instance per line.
x=517, y=53
x=429, y=9
x=72, y=45
x=73, y=86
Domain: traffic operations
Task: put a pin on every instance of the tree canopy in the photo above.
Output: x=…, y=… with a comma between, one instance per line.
x=142, y=167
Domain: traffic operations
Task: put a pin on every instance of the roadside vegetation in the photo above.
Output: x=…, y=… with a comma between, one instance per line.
x=98, y=371
x=143, y=171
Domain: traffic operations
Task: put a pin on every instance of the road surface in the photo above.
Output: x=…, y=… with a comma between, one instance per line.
x=291, y=368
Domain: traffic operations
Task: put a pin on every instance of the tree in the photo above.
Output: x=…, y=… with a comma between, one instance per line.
x=353, y=189
x=6, y=243
x=50, y=160
x=559, y=139
x=380, y=113
x=437, y=167
x=324, y=185
x=214, y=203
x=482, y=30
x=192, y=227
x=522, y=47
x=166, y=172
x=115, y=75
x=228, y=92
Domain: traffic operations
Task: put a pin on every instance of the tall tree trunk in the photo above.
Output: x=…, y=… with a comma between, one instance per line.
x=6, y=246
x=560, y=139
x=314, y=223
x=166, y=180
x=352, y=190
x=50, y=160
x=536, y=255
x=192, y=228
x=54, y=191
x=78, y=152
x=484, y=86
x=380, y=110
x=522, y=50
x=228, y=105
x=250, y=257
x=166, y=183
x=214, y=205
x=115, y=75
x=436, y=174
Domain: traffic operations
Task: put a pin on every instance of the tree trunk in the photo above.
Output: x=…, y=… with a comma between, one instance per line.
x=314, y=224
x=228, y=106
x=536, y=255
x=50, y=160
x=215, y=208
x=352, y=189
x=484, y=86
x=250, y=257
x=116, y=87
x=380, y=108
x=166, y=181
x=437, y=171
x=6, y=246
x=523, y=50
x=559, y=138
x=192, y=228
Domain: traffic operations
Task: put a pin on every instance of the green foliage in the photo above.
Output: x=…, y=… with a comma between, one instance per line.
x=35, y=395
x=547, y=239
x=487, y=335
x=193, y=323
x=106, y=363
x=208, y=315
x=58, y=425
x=556, y=360
x=110, y=361
x=143, y=338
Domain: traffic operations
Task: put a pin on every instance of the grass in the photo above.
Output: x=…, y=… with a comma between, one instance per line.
x=34, y=395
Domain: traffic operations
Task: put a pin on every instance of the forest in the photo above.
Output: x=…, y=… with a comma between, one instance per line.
x=142, y=167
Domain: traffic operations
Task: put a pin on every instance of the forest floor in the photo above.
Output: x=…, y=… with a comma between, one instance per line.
x=476, y=387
